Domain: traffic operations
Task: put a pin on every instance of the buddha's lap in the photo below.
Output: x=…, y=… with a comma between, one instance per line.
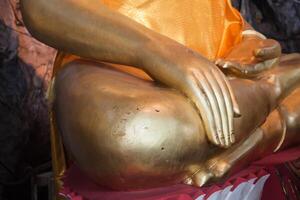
x=141, y=131
x=144, y=133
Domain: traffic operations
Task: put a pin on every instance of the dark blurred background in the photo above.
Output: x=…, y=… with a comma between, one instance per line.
x=277, y=19
x=25, y=71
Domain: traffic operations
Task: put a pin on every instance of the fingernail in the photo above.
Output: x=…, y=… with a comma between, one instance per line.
x=258, y=52
x=236, y=112
x=222, y=140
x=232, y=141
x=188, y=181
x=232, y=138
x=237, y=115
x=226, y=65
x=229, y=140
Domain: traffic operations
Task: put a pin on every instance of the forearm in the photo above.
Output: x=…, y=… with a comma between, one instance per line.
x=88, y=29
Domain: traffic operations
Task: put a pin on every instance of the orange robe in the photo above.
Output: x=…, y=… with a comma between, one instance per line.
x=210, y=27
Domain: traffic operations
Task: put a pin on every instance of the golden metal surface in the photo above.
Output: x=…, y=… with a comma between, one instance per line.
x=92, y=30
x=152, y=133
x=129, y=131
x=279, y=131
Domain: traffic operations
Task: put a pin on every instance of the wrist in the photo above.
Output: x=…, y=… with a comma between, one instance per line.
x=165, y=60
x=160, y=51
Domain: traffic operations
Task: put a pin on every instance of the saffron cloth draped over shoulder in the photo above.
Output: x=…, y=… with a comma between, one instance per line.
x=211, y=28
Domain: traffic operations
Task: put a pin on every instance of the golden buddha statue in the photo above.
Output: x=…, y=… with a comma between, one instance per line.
x=149, y=93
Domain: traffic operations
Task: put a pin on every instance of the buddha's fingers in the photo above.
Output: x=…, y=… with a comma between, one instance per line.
x=232, y=66
x=262, y=66
x=247, y=70
x=199, y=97
x=211, y=96
x=254, y=69
x=228, y=105
x=271, y=50
x=222, y=96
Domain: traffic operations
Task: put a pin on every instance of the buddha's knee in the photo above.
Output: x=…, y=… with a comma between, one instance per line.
x=133, y=136
x=290, y=110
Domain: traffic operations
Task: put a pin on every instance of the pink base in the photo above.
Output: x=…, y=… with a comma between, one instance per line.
x=78, y=187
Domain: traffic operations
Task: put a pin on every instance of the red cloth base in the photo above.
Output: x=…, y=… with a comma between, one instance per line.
x=79, y=187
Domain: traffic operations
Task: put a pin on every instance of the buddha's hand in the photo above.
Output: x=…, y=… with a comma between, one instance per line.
x=251, y=56
x=208, y=88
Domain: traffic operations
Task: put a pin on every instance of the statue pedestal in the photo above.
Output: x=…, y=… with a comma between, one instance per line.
x=265, y=178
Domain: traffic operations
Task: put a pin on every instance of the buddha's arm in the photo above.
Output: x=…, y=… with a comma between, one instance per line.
x=89, y=29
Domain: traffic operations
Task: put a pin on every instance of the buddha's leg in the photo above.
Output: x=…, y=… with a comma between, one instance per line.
x=280, y=131
x=123, y=131
x=130, y=133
